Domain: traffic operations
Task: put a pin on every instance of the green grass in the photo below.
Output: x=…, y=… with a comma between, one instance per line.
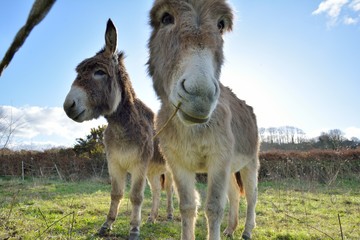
x=287, y=209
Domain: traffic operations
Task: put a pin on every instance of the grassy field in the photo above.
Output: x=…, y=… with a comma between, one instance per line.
x=287, y=209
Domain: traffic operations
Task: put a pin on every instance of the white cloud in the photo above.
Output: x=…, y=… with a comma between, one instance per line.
x=334, y=8
x=355, y=5
x=46, y=126
x=331, y=7
x=350, y=21
x=352, y=132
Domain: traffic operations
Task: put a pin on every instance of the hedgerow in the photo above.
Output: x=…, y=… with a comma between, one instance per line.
x=323, y=166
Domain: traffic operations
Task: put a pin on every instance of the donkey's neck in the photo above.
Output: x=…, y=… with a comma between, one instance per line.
x=126, y=106
x=126, y=114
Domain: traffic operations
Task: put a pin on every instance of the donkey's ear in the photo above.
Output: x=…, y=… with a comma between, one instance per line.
x=110, y=38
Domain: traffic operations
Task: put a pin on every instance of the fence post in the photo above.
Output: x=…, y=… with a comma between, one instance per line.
x=22, y=170
x=58, y=172
x=41, y=173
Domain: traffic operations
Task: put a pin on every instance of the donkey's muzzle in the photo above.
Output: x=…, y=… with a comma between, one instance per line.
x=72, y=111
x=74, y=106
x=198, y=100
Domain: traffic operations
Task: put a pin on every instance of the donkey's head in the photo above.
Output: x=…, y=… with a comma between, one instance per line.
x=96, y=90
x=186, y=54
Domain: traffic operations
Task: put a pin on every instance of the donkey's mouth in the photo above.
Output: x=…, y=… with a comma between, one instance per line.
x=77, y=118
x=191, y=119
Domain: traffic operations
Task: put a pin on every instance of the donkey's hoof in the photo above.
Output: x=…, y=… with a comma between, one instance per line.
x=228, y=233
x=150, y=220
x=104, y=231
x=246, y=236
x=134, y=233
x=170, y=217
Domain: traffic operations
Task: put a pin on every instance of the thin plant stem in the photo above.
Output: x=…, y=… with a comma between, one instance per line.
x=301, y=221
x=52, y=224
x=341, y=231
x=12, y=206
x=43, y=217
x=72, y=224
x=167, y=122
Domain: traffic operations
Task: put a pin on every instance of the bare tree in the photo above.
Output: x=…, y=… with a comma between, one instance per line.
x=292, y=134
x=8, y=127
x=280, y=138
x=324, y=140
x=287, y=133
x=272, y=131
x=300, y=135
x=336, y=137
x=262, y=134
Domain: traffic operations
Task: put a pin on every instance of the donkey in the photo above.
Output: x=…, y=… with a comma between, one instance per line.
x=213, y=131
x=103, y=87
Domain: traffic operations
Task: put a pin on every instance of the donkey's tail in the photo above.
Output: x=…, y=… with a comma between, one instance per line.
x=240, y=183
x=162, y=181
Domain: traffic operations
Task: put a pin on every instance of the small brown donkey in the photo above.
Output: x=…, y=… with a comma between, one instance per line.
x=213, y=131
x=103, y=87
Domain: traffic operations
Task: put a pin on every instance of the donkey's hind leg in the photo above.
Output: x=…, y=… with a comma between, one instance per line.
x=169, y=195
x=234, y=199
x=155, y=186
x=250, y=179
x=118, y=179
x=138, y=180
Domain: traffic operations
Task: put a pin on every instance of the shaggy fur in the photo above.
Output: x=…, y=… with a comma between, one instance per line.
x=103, y=87
x=214, y=131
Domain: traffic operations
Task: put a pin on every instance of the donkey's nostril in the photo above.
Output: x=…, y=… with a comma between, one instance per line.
x=69, y=105
x=216, y=89
x=183, y=86
x=73, y=104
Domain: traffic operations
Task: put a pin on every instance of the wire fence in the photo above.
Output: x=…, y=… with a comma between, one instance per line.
x=63, y=164
x=324, y=166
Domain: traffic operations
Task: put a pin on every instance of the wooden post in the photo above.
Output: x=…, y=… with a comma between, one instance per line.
x=22, y=170
x=58, y=172
x=41, y=173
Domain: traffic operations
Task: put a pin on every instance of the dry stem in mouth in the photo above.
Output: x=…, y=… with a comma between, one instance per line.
x=167, y=122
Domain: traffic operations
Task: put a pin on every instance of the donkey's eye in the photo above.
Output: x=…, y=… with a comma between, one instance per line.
x=99, y=73
x=167, y=19
x=221, y=25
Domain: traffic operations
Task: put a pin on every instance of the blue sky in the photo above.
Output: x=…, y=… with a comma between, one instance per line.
x=296, y=62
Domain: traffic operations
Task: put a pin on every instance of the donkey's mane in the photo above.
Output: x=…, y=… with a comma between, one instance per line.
x=131, y=112
x=125, y=82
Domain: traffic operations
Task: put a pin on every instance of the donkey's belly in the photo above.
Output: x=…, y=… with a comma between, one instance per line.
x=239, y=161
x=200, y=162
x=125, y=158
x=196, y=156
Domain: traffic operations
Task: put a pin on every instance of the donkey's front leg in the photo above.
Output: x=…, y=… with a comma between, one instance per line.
x=138, y=179
x=188, y=200
x=218, y=180
x=118, y=179
x=249, y=177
